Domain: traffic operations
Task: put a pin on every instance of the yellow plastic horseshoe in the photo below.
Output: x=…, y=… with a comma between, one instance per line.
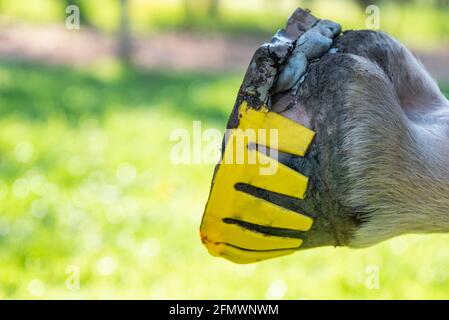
x=242, y=163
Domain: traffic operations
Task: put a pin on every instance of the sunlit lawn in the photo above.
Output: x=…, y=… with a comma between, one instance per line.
x=86, y=187
x=420, y=24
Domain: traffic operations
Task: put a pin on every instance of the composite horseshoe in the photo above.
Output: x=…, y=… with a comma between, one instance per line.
x=228, y=208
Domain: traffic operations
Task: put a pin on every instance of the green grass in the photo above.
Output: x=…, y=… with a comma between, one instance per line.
x=87, y=183
x=420, y=24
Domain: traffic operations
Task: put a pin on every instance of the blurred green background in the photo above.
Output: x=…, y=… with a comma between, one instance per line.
x=87, y=190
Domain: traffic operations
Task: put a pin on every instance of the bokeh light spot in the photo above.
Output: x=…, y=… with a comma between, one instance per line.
x=23, y=152
x=106, y=266
x=277, y=290
x=36, y=288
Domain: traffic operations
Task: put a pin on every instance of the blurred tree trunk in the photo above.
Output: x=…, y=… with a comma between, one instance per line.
x=188, y=12
x=124, y=48
x=213, y=9
x=443, y=4
x=365, y=3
